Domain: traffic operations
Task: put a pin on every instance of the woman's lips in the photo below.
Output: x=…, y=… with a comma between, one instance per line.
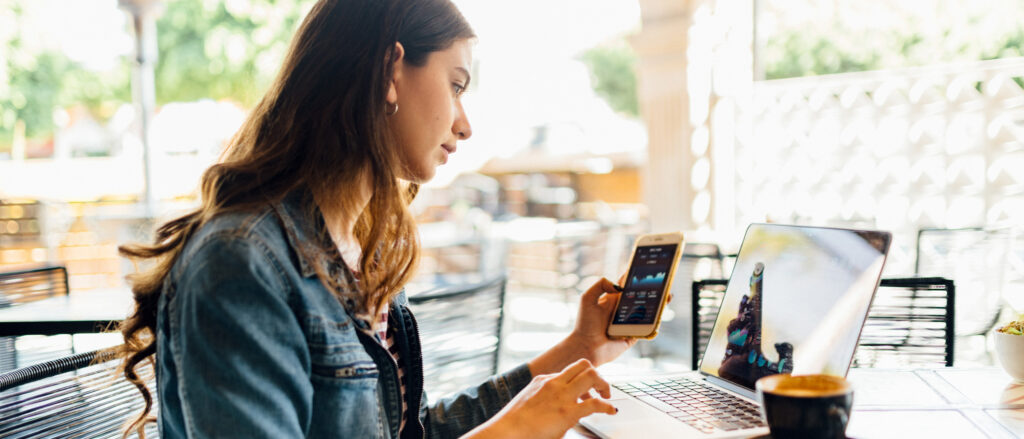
x=448, y=150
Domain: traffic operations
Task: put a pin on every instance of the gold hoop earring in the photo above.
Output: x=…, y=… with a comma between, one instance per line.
x=390, y=109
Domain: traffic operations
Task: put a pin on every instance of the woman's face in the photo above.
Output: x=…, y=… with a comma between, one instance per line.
x=430, y=119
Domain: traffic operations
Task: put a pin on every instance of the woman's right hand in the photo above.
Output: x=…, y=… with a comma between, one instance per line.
x=550, y=405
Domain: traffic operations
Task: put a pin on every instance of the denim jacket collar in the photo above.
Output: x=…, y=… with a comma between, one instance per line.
x=312, y=246
x=302, y=230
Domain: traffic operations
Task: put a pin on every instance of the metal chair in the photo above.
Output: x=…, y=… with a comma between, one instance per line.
x=705, y=301
x=75, y=396
x=698, y=261
x=910, y=322
x=24, y=286
x=30, y=285
x=460, y=332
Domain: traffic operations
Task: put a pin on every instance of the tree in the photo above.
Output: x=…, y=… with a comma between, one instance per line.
x=798, y=54
x=207, y=49
x=223, y=50
x=613, y=76
x=36, y=80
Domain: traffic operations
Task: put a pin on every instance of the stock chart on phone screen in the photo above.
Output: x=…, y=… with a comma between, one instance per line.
x=645, y=284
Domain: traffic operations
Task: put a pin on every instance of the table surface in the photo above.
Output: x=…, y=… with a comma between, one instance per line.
x=94, y=311
x=81, y=312
x=928, y=403
x=947, y=402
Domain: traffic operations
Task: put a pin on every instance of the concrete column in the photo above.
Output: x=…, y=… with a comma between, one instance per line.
x=144, y=14
x=664, y=105
x=695, y=66
x=694, y=69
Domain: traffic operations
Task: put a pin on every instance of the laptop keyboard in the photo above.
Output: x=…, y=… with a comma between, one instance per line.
x=694, y=402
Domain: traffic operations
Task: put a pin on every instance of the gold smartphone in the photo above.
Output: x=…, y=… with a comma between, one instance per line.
x=645, y=293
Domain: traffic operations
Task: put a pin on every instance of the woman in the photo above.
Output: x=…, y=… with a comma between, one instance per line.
x=276, y=309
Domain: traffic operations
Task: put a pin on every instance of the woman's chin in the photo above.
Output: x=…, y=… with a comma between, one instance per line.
x=420, y=176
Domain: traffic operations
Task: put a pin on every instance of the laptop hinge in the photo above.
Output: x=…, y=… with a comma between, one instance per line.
x=742, y=391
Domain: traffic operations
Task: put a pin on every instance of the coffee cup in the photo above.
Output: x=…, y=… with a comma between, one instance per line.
x=805, y=406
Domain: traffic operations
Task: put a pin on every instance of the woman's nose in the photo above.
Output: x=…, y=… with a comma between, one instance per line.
x=461, y=127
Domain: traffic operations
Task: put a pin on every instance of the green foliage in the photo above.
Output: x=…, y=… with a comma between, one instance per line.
x=803, y=55
x=35, y=86
x=32, y=96
x=39, y=80
x=1011, y=46
x=207, y=50
x=806, y=52
x=614, y=77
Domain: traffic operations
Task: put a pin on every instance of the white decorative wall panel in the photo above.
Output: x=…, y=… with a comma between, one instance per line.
x=936, y=146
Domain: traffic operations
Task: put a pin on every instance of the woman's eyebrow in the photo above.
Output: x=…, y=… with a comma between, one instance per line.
x=466, y=73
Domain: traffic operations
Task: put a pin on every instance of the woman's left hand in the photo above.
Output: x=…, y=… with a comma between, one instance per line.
x=589, y=338
x=591, y=332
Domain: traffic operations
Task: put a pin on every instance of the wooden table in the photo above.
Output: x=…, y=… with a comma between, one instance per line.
x=927, y=403
x=77, y=313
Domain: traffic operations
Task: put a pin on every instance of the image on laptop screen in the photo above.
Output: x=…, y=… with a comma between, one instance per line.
x=795, y=303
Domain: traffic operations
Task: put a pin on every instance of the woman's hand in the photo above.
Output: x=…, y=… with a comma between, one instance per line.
x=550, y=405
x=589, y=339
x=590, y=336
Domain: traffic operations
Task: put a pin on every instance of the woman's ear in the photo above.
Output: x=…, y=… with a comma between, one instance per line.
x=398, y=63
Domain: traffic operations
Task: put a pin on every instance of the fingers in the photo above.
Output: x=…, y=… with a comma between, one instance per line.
x=595, y=291
x=594, y=405
x=590, y=379
x=581, y=376
x=570, y=372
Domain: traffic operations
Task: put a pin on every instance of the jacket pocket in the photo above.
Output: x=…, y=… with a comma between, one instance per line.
x=336, y=353
x=355, y=370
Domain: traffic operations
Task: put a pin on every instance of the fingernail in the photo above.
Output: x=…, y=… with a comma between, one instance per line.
x=616, y=409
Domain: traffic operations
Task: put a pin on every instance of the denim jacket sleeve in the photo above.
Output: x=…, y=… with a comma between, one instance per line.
x=242, y=361
x=458, y=414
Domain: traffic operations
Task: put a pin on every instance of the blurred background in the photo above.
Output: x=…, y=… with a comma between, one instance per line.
x=594, y=121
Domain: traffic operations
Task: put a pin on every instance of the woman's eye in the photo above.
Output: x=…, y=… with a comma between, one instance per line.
x=458, y=88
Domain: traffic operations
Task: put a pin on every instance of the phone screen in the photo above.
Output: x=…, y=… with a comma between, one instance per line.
x=645, y=284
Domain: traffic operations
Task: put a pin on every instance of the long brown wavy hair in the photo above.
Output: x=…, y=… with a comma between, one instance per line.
x=321, y=127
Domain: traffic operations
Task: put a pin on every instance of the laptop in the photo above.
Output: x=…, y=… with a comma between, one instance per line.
x=795, y=303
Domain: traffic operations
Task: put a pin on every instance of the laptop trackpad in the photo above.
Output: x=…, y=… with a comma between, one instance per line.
x=635, y=419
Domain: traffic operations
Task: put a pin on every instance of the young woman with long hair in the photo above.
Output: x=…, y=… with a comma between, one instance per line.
x=275, y=309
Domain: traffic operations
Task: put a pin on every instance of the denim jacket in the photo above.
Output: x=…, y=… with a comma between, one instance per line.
x=251, y=344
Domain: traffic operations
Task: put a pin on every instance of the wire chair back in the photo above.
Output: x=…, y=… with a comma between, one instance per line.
x=706, y=300
x=697, y=261
x=460, y=333
x=910, y=322
x=74, y=396
x=24, y=286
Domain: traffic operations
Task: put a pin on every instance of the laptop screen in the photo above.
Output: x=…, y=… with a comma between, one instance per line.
x=795, y=303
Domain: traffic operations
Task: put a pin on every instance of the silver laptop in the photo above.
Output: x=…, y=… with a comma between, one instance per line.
x=796, y=302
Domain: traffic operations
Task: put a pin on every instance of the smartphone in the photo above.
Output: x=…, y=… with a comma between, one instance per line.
x=648, y=280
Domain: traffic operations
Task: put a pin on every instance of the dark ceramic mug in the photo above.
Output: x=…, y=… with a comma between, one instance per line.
x=805, y=406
